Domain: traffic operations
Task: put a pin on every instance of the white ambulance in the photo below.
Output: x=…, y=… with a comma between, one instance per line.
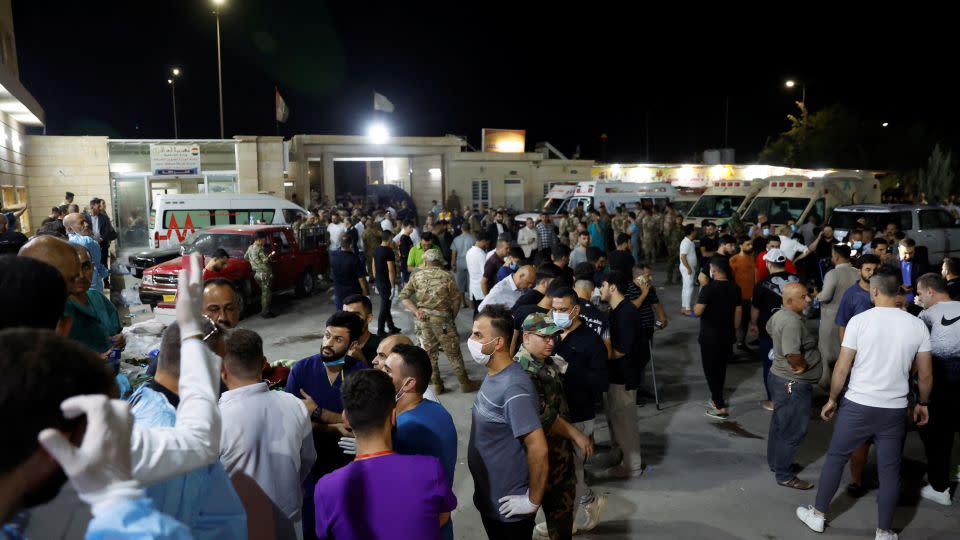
x=798, y=197
x=722, y=199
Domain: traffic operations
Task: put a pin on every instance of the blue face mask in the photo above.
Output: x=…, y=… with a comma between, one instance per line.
x=857, y=245
x=513, y=266
x=339, y=362
x=766, y=232
x=793, y=227
x=561, y=320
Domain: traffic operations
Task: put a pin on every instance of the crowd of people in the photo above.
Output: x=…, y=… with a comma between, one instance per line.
x=358, y=445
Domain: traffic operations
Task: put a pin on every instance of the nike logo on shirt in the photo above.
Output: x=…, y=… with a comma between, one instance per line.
x=947, y=322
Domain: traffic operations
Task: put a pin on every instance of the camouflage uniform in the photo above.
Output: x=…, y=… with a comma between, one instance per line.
x=262, y=272
x=737, y=227
x=650, y=227
x=674, y=237
x=619, y=224
x=436, y=292
x=372, y=237
x=568, y=226
x=560, y=494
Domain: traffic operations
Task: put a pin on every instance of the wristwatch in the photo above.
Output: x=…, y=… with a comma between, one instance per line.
x=923, y=403
x=316, y=415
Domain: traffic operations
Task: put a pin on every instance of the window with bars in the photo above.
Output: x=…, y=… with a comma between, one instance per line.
x=481, y=193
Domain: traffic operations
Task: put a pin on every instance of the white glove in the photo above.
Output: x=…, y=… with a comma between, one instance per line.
x=190, y=297
x=100, y=469
x=517, y=505
x=349, y=445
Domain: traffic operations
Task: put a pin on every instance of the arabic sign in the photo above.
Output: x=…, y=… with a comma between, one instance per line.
x=175, y=159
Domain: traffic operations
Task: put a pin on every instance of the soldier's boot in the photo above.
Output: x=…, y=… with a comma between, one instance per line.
x=435, y=379
x=466, y=385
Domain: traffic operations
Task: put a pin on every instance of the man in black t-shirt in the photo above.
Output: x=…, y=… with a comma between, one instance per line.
x=584, y=383
x=621, y=400
x=385, y=275
x=727, y=248
x=767, y=298
x=718, y=307
x=621, y=260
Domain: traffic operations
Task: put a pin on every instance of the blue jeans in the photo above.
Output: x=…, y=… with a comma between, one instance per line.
x=856, y=424
x=764, y=346
x=788, y=423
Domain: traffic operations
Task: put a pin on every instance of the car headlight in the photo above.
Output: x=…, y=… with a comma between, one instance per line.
x=148, y=279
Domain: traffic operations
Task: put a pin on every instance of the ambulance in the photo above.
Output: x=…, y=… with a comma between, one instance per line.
x=799, y=197
x=721, y=199
x=592, y=195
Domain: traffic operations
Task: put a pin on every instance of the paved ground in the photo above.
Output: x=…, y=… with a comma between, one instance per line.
x=703, y=479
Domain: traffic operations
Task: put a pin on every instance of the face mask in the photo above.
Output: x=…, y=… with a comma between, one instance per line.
x=561, y=320
x=331, y=361
x=857, y=245
x=793, y=228
x=513, y=266
x=476, y=351
x=766, y=232
x=401, y=392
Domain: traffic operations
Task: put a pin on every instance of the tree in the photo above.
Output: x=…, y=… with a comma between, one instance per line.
x=831, y=137
x=938, y=180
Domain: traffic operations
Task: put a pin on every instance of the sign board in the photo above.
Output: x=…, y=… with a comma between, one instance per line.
x=175, y=159
x=509, y=141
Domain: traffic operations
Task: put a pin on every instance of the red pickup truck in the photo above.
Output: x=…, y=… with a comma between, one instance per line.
x=301, y=258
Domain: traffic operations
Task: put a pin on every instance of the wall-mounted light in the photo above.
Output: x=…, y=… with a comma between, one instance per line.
x=288, y=184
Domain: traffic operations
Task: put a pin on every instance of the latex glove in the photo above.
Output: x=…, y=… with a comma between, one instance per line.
x=517, y=505
x=349, y=445
x=190, y=297
x=100, y=468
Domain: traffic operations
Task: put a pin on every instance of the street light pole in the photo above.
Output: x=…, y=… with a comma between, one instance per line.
x=216, y=12
x=172, y=81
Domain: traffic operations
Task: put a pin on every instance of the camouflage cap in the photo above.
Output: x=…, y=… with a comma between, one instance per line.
x=539, y=323
x=433, y=256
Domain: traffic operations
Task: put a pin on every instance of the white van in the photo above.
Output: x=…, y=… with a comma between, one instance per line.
x=177, y=217
x=552, y=203
x=722, y=199
x=613, y=194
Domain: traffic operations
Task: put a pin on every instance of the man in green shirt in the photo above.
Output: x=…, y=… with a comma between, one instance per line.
x=415, y=258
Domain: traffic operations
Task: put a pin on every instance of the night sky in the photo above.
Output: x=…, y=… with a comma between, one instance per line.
x=566, y=74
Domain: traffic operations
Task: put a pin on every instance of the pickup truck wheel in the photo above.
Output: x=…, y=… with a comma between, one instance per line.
x=306, y=284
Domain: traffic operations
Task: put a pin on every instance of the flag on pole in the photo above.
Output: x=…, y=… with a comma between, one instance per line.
x=282, y=111
x=381, y=103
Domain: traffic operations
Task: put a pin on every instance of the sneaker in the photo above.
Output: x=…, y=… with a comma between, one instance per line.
x=617, y=472
x=717, y=415
x=540, y=532
x=592, y=511
x=939, y=497
x=885, y=535
x=810, y=517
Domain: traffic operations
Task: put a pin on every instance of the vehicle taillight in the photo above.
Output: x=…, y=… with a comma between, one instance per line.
x=156, y=240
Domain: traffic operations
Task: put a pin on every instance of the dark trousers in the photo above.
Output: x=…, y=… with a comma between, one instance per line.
x=340, y=293
x=764, y=346
x=854, y=425
x=514, y=530
x=938, y=434
x=788, y=423
x=385, y=320
x=744, y=326
x=714, y=357
x=476, y=305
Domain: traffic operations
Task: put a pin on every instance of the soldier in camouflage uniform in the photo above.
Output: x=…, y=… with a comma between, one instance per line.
x=619, y=222
x=737, y=227
x=568, y=225
x=372, y=235
x=535, y=357
x=650, y=232
x=262, y=272
x=673, y=238
x=438, y=302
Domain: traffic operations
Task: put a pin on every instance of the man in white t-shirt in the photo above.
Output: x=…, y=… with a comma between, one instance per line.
x=942, y=317
x=688, y=267
x=880, y=348
x=335, y=230
x=386, y=223
x=476, y=260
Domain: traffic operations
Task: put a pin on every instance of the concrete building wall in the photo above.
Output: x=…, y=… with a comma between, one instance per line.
x=270, y=165
x=56, y=165
x=426, y=186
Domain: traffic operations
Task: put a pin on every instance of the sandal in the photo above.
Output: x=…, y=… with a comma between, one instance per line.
x=796, y=483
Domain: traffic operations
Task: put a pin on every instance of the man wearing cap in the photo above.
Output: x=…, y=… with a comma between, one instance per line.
x=438, y=302
x=773, y=242
x=536, y=358
x=767, y=298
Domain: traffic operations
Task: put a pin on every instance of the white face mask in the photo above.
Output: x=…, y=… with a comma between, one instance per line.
x=476, y=351
x=561, y=320
x=401, y=392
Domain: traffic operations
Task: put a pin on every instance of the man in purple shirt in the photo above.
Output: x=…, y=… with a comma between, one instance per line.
x=349, y=501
